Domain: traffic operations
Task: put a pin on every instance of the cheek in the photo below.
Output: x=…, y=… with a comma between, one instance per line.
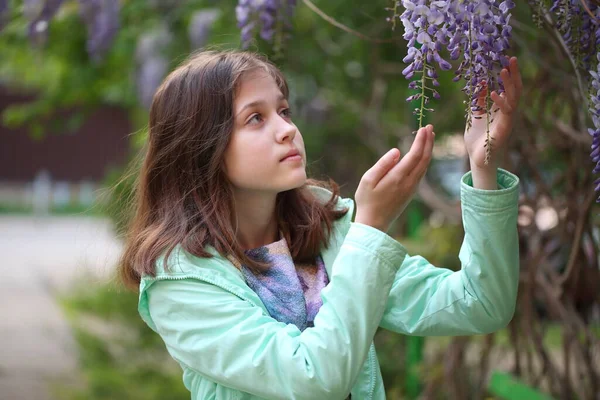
x=242, y=159
x=299, y=142
x=231, y=158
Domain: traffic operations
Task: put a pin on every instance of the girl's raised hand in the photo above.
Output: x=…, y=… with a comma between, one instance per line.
x=501, y=122
x=386, y=188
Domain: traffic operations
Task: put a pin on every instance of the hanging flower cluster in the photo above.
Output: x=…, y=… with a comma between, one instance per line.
x=475, y=34
x=425, y=27
x=576, y=26
x=270, y=18
x=475, y=31
x=595, y=111
x=101, y=18
x=38, y=13
x=595, y=95
x=578, y=21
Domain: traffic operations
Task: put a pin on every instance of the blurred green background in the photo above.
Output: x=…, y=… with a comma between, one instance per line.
x=73, y=122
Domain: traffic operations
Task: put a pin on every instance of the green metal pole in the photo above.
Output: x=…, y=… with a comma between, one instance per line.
x=414, y=357
x=414, y=344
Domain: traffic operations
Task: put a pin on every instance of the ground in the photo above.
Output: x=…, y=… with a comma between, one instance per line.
x=43, y=256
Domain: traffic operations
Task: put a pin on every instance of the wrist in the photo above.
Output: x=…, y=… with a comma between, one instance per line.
x=370, y=222
x=484, y=177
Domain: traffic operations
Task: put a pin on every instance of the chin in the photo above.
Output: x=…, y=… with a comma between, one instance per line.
x=294, y=184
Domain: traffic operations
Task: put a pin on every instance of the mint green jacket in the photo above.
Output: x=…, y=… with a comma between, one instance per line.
x=229, y=347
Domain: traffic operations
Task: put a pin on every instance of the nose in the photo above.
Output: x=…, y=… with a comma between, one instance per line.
x=285, y=131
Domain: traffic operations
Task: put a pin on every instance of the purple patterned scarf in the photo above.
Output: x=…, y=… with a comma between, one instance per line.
x=291, y=293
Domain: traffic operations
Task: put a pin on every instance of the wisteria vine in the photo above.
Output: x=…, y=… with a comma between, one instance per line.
x=578, y=22
x=478, y=33
x=595, y=111
x=476, y=30
x=470, y=37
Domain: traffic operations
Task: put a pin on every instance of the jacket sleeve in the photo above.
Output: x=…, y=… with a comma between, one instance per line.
x=233, y=343
x=481, y=296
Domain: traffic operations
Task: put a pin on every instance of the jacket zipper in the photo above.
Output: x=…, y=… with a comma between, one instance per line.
x=372, y=372
x=188, y=276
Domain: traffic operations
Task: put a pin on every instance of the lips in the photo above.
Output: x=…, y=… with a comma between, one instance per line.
x=291, y=153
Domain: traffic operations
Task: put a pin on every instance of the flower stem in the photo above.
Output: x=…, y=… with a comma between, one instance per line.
x=468, y=77
x=423, y=79
x=488, y=138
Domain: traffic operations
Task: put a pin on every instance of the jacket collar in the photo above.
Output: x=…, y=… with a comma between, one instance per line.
x=220, y=271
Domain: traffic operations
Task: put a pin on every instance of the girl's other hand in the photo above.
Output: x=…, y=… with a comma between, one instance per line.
x=386, y=188
x=501, y=122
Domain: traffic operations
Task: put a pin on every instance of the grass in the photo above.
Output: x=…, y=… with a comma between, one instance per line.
x=71, y=209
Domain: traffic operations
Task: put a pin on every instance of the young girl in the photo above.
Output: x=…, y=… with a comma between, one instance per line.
x=256, y=278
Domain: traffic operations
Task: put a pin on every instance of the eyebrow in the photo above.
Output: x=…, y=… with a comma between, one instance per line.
x=258, y=103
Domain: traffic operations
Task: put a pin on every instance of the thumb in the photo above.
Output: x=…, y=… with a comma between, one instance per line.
x=382, y=166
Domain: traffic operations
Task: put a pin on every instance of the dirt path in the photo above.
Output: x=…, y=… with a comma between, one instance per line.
x=43, y=256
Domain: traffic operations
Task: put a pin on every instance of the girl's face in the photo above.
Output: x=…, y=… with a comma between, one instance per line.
x=263, y=134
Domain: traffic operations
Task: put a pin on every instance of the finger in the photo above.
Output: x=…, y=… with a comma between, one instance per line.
x=515, y=74
x=381, y=167
x=501, y=102
x=509, y=87
x=412, y=158
x=423, y=164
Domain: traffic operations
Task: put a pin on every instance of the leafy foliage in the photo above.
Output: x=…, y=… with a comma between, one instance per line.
x=120, y=357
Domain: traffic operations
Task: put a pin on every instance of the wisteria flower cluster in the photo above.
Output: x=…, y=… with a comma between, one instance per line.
x=3, y=12
x=475, y=31
x=425, y=23
x=595, y=111
x=580, y=30
x=39, y=13
x=579, y=24
x=270, y=18
x=482, y=37
x=576, y=25
x=478, y=33
x=101, y=18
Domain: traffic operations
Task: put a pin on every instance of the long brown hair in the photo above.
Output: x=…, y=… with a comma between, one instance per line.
x=182, y=195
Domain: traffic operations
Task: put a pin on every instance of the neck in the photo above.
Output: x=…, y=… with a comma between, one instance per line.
x=256, y=219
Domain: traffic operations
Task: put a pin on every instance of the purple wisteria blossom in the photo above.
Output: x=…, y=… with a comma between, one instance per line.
x=580, y=32
x=200, y=26
x=482, y=37
x=39, y=14
x=152, y=62
x=475, y=31
x=425, y=27
x=563, y=14
x=594, y=104
x=576, y=26
x=538, y=8
x=267, y=17
x=102, y=20
x=595, y=111
x=587, y=46
x=3, y=13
